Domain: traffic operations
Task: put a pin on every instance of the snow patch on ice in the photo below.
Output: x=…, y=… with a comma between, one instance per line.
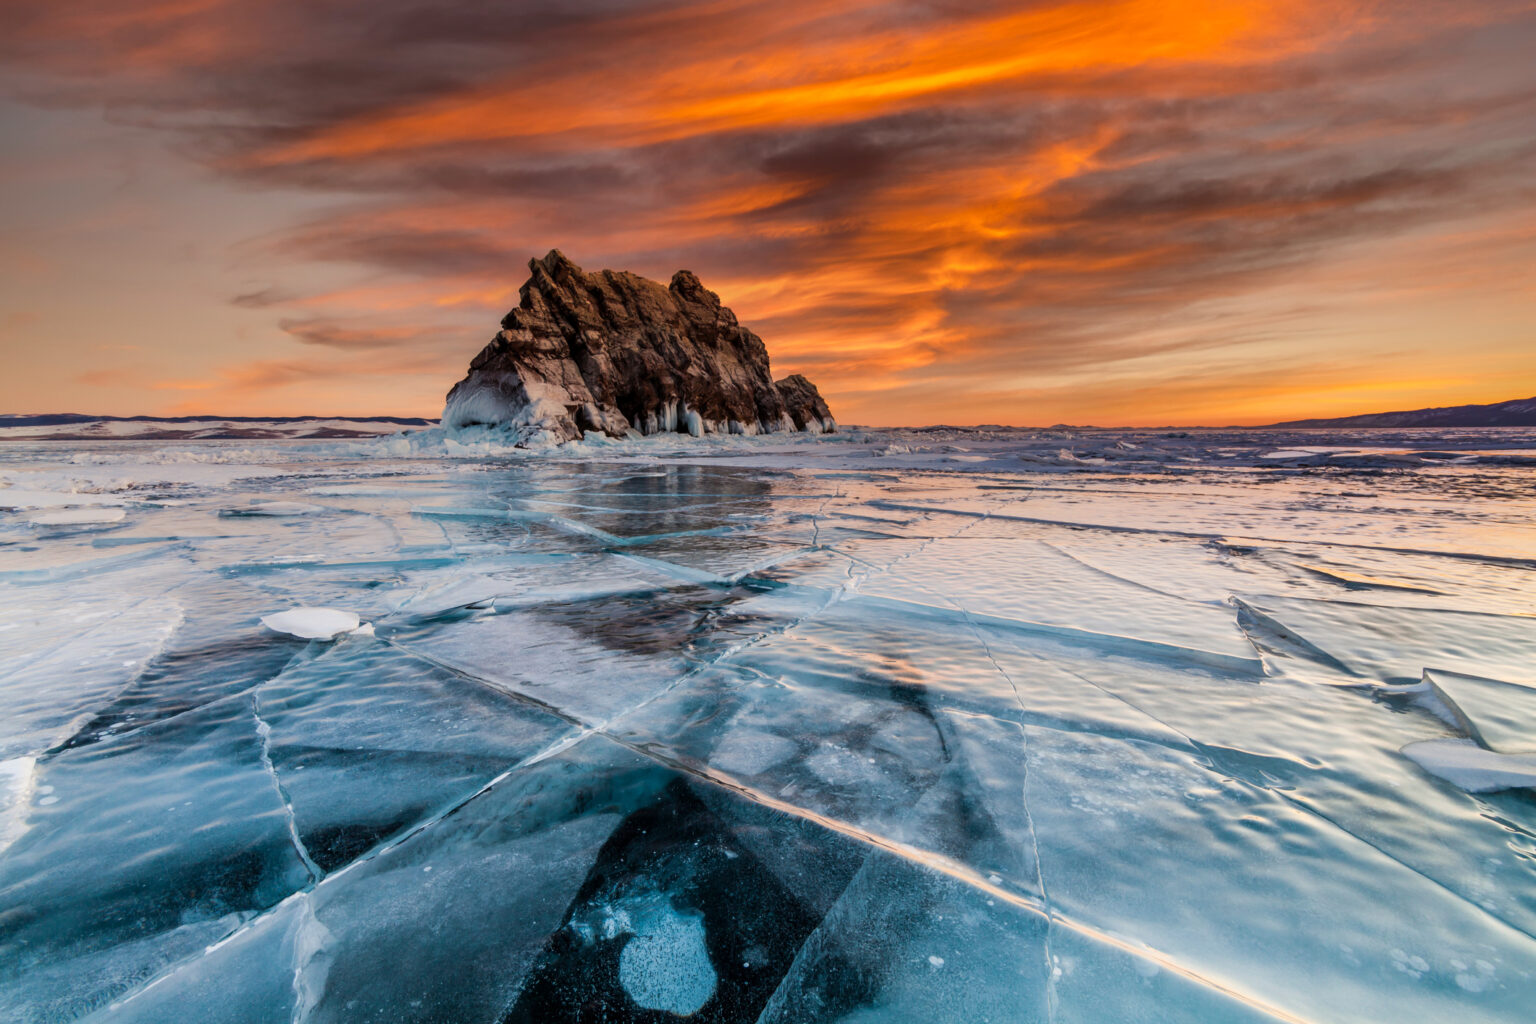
x=312, y=623
x=312, y=945
x=665, y=965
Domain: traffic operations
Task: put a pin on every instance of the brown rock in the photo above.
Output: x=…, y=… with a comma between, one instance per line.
x=619, y=354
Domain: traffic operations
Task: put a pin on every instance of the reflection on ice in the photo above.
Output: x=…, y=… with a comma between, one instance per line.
x=882, y=728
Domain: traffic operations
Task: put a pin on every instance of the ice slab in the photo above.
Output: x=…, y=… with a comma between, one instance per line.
x=15, y=794
x=681, y=913
x=1477, y=770
x=905, y=943
x=312, y=623
x=66, y=659
x=1040, y=588
x=25, y=498
x=1499, y=716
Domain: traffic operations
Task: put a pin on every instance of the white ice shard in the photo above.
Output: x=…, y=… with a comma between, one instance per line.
x=1498, y=716
x=77, y=517
x=312, y=623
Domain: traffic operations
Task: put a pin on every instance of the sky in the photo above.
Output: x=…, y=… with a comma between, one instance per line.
x=1125, y=212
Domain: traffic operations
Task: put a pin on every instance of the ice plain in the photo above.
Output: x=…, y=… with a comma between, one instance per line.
x=937, y=725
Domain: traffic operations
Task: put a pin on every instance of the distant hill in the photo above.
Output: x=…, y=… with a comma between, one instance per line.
x=1521, y=412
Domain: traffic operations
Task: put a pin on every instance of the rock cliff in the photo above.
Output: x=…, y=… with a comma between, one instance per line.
x=616, y=353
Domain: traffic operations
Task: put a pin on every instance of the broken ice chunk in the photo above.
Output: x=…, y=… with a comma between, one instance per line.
x=1465, y=764
x=312, y=623
x=22, y=498
x=1497, y=715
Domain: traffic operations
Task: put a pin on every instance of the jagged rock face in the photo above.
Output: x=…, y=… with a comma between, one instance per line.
x=617, y=353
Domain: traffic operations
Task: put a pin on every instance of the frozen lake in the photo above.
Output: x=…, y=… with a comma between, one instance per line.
x=888, y=726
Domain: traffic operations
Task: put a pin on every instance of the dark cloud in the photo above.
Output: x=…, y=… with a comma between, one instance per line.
x=262, y=298
x=363, y=338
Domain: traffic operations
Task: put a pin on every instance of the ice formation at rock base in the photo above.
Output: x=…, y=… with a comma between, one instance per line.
x=885, y=726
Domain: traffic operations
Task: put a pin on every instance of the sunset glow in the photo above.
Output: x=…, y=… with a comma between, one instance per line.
x=1122, y=212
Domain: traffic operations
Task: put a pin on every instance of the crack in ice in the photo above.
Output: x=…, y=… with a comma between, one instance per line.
x=264, y=733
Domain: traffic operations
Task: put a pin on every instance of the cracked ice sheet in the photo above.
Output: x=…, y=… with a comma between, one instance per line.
x=768, y=693
x=1304, y=511
x=516, y=884
x=589, y=660
x=367, y=741
x=66, y=657
x=119, y=880
x=1036, y=584
x=524, y=579
x=847, y=718
x=1121, y=823
x=1323, y=749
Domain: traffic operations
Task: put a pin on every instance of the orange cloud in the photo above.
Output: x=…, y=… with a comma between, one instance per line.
x=1003, y=210
x=832, y=79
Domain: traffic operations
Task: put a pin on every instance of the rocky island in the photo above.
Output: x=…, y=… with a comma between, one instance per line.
x=615, y=353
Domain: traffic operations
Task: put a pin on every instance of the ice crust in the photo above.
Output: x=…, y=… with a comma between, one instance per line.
x=886, y=726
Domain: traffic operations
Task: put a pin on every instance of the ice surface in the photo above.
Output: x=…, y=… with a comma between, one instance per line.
x=943, y=725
